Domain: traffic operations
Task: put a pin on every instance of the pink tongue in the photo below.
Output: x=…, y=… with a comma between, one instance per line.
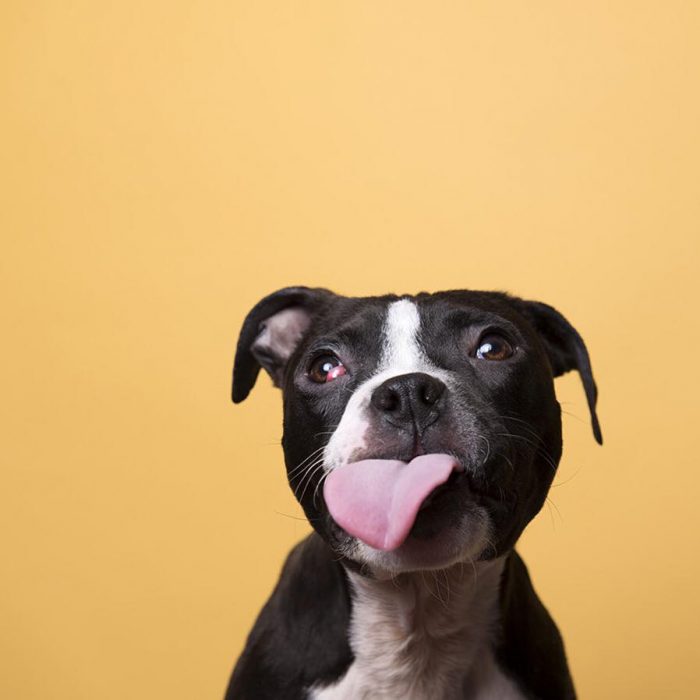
x=377, y=500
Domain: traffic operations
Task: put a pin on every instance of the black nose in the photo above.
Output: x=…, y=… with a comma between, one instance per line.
x=409, y=398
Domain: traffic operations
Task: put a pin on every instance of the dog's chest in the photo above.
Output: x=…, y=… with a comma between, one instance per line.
x=425, y=636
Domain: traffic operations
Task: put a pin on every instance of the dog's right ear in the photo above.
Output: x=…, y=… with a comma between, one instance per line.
x=565, y=349
x=270, y=334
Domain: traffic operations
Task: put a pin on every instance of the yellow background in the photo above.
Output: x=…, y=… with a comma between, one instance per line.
x=166, y=164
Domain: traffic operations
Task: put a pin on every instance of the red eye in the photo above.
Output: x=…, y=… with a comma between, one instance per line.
x=494, y=347
x=325, y=368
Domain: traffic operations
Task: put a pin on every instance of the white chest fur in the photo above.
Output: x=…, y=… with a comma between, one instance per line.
x=424, y=636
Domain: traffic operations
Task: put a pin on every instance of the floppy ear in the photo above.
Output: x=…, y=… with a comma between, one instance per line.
x=271, y=332
x=566, y=351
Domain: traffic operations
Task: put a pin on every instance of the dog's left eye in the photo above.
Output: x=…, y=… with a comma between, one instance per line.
x=325, y=368
x=494, y=347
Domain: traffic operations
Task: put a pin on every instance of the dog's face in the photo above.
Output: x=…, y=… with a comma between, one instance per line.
x=418, y=431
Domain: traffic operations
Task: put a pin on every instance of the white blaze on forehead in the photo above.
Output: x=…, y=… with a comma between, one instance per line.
x=401, y=349
x=401, y=354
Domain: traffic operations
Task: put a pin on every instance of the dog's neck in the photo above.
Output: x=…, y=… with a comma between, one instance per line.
x=423, y=635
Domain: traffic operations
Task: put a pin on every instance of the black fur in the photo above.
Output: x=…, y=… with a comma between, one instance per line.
x=300, y=637
x=530, y=648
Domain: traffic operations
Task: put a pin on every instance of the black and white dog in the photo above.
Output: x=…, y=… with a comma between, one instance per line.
x=421, y=435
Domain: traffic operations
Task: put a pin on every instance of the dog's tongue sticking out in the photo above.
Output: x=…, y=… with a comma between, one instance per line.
x=377, y=500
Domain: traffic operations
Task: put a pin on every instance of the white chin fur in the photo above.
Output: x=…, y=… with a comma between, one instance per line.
x=457, y=544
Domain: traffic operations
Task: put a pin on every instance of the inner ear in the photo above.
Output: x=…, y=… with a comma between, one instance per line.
x=279, y=336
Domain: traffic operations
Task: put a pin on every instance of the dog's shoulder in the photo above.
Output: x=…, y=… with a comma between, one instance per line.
x=300, y=637
x=530, y=648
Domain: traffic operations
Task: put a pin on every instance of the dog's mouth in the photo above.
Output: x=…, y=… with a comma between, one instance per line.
x=382, y=501
x=436, y=496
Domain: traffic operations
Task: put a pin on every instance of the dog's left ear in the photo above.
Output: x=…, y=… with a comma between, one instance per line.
x=271, y=332
x=566, y=350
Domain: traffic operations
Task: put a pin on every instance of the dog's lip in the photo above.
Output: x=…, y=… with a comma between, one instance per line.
x=455, y=480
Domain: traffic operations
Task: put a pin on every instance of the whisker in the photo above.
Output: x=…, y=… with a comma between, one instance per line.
x=436, y=593
x=299, y=478
x=475, y=573
x=493, y=549
x=574, y=416
x=447, y=586
x=461, y=570
x=488, y=447
x=540, y=450
x=554, y=505
x=506, y=459
x=551, y=514
x=299, y=466
x=318, y=486
x=527, y=425
x=566, y=481
x=308, y=480
x=287, y=515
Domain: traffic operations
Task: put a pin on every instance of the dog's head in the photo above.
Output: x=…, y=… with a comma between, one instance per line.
x=418, y=430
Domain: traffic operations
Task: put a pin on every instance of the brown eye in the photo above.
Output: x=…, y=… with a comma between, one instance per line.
x=325, y=368
x=494, y=347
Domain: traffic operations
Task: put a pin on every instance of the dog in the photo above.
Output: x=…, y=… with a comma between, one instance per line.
x=421, y=435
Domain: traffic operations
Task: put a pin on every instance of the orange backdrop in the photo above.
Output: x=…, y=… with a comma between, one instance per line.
x=166, y=164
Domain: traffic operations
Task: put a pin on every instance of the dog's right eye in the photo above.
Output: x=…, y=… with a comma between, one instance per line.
x=494, y=346
x=325, y=369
